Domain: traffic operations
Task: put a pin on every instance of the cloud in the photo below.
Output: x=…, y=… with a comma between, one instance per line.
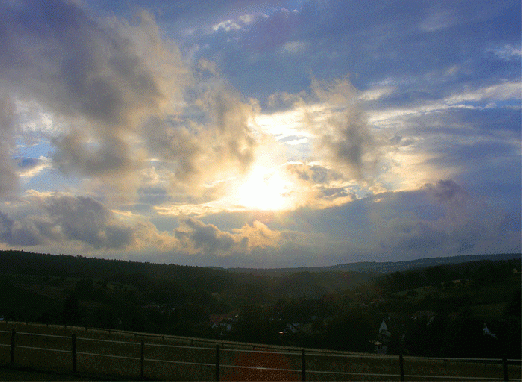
x=333, y=127
x=437, y=20
x=6, y=229
x=467, y=135
x=120, y=95
x=341, y=40
x=8, y=175
x=321, y=187
x=439, y=219
x=211, y=141
x=442, y=218
x=30, y=167
x=294, y=47
x=227, y=26
x=88, y=221
x=446, y=191
x=28, y=231
x=343, y=136
x=270, y=32
x=508, y=52
x=101, y=77
x=413, y=237
x=54, y=221
x=160, y=145
x=502, y=91
x=149, y=238
x=196, y=236
x=258, y=235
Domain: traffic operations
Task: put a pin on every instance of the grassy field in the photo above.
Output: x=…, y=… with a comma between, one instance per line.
x=8, y=373
x=117, y=355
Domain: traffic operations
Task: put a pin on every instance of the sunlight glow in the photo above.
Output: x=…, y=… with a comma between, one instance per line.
x=264, y=189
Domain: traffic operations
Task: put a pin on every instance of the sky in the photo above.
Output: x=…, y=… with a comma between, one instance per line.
x=251, y=133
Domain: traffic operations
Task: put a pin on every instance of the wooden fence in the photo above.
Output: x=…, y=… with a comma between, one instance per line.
x=148, y=356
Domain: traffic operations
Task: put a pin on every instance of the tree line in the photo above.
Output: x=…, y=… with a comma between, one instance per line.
x=456, y=310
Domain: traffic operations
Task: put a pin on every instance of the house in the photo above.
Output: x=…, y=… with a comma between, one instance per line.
x=383, y=338
x=223, y=323
x=383, y=330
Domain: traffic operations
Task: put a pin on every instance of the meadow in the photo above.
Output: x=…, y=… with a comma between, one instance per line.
x=132, y=355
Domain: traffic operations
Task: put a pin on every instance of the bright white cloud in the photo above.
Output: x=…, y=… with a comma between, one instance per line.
x=227, y=26
x=508, y=52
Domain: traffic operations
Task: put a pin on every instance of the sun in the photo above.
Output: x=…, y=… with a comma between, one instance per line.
x=264, y=189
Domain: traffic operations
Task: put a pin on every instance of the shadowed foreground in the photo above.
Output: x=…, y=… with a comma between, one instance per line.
x=8, y=373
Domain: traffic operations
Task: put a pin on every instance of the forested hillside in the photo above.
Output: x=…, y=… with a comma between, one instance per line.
x=465, y=309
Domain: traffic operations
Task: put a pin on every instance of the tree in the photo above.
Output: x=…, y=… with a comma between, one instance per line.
x=351, y=331
x=71, y=310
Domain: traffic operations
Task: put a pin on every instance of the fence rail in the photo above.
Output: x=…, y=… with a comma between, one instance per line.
x=225, y=360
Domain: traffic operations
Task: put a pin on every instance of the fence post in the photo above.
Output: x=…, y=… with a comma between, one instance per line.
x=73, y=338
x=142, y=357
x=401, y=365
x=303, y=365
x=217, y=362
x=505, y=367
x=13, y=332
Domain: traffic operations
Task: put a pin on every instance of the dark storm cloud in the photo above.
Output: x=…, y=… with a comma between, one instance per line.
x=27, y=232
x=72, y=221
x=489, y=168
x=86, y=220
x=446, y=190
x=197, y=236
x=6, y=226
x=415, y=237
x=439, y=219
